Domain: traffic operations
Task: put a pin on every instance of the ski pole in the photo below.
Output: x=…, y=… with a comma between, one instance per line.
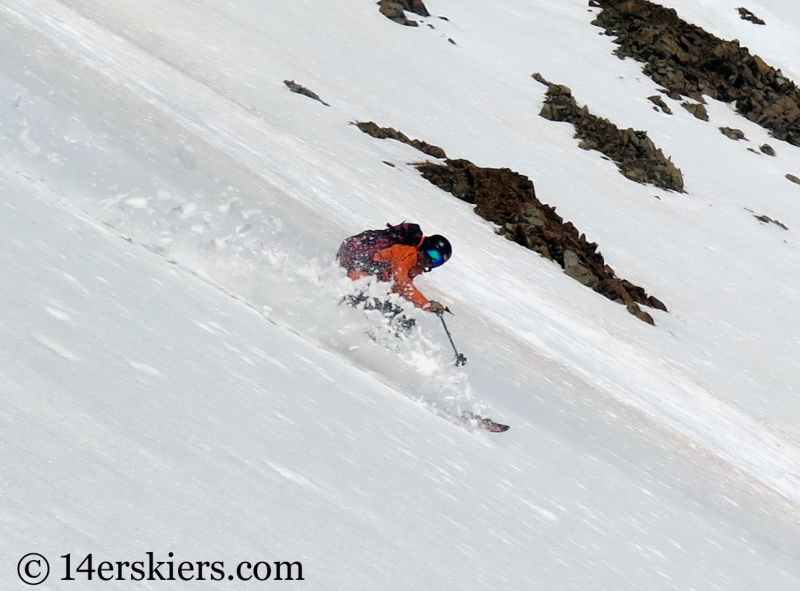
x=460, y=359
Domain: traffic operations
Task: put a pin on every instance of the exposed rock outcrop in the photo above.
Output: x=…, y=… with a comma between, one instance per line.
x=634, y=153
x=660, y=104
x=298, y=89
x=688, y=61
x=415, y=6
x=383, y=133
x=508, y=199
x=764, y=219
x=395, y=10
x=746, y=15
x=697, y=109
x=767, y=149
x=734, y=134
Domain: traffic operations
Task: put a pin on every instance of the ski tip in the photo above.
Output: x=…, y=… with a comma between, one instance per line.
x=491, y=426
x=484, y=423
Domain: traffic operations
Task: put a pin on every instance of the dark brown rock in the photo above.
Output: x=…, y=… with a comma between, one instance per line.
x=746, y=15
x=734, y=134
x=415, y=6
x=654, y=302
x=632, y=151
x=659, y=102
x=793, y=178
x=391, y=10
x=696, y=109
x=298, y=89
x=634, y=309
x=508, y=199
x=382, y=133
x=394, y=10
x=767, y=149
x=688, y=61
x=583, y=275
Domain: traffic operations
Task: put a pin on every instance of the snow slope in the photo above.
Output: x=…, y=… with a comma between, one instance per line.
x=197, y=389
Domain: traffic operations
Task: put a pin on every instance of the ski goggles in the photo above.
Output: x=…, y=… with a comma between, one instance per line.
x=435, y=257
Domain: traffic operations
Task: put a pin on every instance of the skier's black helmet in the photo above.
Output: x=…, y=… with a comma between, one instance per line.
x=435, y=251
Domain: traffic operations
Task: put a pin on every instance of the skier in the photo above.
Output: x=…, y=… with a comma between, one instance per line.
x=397, y=254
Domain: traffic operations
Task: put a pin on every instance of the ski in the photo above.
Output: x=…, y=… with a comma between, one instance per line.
x=484, y=423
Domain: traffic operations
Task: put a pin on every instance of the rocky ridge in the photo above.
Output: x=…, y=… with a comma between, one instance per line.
x=688, y=61
x=508, y=199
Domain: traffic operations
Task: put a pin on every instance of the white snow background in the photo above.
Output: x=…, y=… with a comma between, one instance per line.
x=176, y=374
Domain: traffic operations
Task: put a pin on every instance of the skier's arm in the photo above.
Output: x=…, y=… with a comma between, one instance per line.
x=402, y=259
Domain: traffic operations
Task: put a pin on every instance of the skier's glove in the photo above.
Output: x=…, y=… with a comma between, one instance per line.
x=437, y=308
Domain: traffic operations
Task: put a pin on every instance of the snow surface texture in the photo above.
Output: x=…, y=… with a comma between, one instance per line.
x=197, y=389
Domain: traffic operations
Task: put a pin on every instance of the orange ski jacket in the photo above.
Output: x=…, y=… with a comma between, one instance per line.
x=404, y=266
